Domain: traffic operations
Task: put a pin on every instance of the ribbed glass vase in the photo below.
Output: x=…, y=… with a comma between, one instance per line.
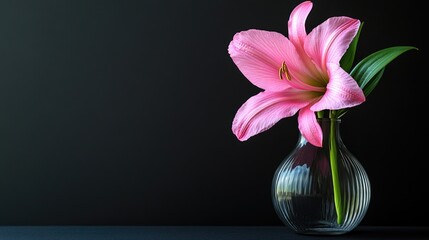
x=321, y=190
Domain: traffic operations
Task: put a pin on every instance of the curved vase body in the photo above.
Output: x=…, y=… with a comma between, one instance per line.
x=303, y=186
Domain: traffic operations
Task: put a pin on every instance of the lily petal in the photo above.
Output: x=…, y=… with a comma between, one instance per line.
x=330, y=40
x=310, y=74
x=259, y=55
x=262, y=111
x=309, y=127
x=342, y=91
x=296, y=24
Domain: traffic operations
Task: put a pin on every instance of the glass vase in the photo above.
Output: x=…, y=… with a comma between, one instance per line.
x=321, y=190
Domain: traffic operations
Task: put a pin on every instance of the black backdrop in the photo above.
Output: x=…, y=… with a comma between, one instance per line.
x=119, y=112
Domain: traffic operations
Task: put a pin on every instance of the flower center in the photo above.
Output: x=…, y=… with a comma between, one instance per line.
x=284, y=72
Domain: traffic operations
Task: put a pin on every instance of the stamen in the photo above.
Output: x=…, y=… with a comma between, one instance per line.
x=283, y=70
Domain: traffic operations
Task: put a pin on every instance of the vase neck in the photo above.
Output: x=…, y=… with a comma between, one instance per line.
x=330, y=129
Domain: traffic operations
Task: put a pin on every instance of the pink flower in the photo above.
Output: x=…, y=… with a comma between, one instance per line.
x=301, y=74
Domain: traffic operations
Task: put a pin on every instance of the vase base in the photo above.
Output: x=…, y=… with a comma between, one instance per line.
x=322, y=228
x=322, y=231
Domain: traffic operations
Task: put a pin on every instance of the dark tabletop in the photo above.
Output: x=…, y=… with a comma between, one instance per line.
x=199, y=233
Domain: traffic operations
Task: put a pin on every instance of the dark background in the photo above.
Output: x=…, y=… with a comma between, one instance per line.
x=120, y=112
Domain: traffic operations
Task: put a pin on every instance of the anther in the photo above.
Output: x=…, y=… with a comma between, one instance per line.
x=283, y=70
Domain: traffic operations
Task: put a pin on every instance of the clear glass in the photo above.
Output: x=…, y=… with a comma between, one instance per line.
x=305, y=195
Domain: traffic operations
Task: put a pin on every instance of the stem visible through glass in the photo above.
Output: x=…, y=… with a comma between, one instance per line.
x=333, y=158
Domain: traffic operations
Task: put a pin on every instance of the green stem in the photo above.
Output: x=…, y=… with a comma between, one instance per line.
x=334, y=171
x=320, y=114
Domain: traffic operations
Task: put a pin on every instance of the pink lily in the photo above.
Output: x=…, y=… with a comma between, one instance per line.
x=300, y=73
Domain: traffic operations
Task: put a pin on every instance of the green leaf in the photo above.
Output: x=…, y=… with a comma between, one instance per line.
x=370, y=66
x=348, y=58
x=373, y=82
